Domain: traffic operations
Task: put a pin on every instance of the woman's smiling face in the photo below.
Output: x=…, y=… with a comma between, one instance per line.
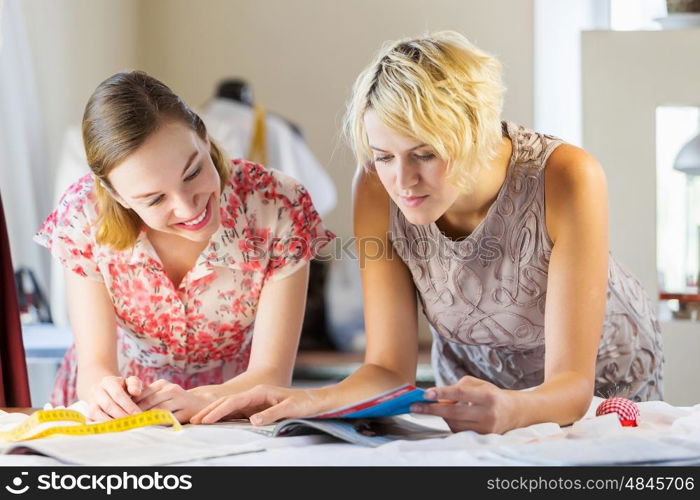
x=171, y=183
x=412, y=174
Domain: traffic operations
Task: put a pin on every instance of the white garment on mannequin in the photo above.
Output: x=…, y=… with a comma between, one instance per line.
x=230, y=123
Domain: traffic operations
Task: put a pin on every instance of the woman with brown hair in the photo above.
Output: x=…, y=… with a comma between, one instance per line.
x=186, y=273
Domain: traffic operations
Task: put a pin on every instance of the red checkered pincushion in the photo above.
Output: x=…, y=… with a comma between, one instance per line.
x=626, y=410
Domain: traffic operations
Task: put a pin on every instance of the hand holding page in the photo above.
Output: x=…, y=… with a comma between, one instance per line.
x=397, y=401
x=369, y=422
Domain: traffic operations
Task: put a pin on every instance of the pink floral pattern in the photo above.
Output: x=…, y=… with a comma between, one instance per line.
x=201, y=332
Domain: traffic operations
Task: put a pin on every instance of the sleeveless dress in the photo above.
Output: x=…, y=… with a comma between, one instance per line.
x=484, y=295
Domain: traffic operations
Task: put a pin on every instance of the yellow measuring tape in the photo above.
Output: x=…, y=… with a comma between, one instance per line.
x=27, y=429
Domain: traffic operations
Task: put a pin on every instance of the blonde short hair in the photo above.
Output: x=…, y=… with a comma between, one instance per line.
x=120, y=115
x=439, y=89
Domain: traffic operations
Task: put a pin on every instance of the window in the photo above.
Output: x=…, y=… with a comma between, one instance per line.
x=677, y=207
x=636, y=14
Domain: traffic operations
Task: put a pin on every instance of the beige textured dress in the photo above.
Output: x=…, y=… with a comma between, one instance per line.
x=484, y=295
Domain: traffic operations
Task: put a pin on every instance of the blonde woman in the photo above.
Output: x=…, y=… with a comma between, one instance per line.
x=500, y=233
x=186, y=273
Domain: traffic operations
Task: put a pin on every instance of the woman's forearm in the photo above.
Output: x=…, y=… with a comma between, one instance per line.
x=563, y=399
x=248, y=380
x=89, y=376
x=367, y=381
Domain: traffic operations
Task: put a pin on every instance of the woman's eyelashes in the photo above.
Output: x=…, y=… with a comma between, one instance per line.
x=425, y=157
x=155, y=200
x=382, y=159
x=191, y=176
x=420, y=157
x=194, y=173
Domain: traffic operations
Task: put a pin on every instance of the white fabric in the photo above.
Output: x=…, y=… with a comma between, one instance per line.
x=25, y=192
x=231, y=124
x=666, y=435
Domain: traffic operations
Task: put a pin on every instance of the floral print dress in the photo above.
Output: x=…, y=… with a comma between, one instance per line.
x=200, y=332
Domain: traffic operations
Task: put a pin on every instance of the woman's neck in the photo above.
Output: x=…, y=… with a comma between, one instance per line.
x=467, y=212
x=177, y=254
x=171, y=247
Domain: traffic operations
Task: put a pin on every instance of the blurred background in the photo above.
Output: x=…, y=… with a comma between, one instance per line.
x=617, y=77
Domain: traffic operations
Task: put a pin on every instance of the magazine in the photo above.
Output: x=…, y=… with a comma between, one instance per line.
x=372, y=422
x=362, y=431
x=396, y=401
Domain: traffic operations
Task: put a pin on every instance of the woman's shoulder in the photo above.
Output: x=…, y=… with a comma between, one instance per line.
x=247, y=173
x=531, y=148
x=78, y=201
x=260, y=192
x=368, y=189
x=525, y=134
x=249, y=179
x=69, y=230
x=569, y=167
x=575, y=184
x=371, y=204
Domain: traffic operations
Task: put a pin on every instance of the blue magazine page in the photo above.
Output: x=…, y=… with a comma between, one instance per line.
x=394, y=402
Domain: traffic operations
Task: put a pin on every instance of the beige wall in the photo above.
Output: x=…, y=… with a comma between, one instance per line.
x=302, y=56
x=75, y=45
x=621, y=90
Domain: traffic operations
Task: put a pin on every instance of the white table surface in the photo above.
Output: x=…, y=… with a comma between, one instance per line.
x=666, y=435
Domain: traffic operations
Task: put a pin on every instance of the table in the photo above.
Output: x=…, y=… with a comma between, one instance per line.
x=44, y=347
x=26, y=411
x=688, y=303
x=667, y=435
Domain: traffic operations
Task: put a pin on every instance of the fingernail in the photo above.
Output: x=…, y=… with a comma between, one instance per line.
x=430, y=395
x=416, y=408
x=255, y=420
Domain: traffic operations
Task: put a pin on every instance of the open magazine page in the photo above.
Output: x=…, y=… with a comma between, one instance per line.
x=364, y=431
x=396, y=401
x=372, y=422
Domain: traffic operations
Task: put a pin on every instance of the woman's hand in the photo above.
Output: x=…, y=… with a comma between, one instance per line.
x=182, y=403
x=472, y=404
x=113, y=398
x=263, y=404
